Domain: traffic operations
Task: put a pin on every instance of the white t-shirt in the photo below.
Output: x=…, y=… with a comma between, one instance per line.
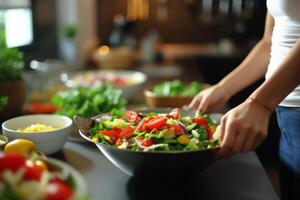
x=286, y=14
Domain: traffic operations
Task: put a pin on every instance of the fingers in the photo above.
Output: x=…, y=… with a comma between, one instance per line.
x=195, y=102
x=228, y=141
x=202, y=108
x=234, y=139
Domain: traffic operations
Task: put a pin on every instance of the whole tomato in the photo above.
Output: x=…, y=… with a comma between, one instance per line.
x=11, y=161
x=58, y=190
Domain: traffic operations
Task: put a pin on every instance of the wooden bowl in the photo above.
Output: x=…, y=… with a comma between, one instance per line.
x=165, y=101
x=153, y=100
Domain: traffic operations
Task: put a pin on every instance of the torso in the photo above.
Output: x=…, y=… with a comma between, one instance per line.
x=286, y=32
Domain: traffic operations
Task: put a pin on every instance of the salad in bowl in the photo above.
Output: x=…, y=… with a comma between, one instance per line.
x=156, y=131
x=154, y=141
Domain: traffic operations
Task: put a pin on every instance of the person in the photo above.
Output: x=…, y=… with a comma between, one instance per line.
x=243, y=128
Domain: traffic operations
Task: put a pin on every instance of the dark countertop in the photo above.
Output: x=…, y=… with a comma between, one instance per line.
x=241, y=177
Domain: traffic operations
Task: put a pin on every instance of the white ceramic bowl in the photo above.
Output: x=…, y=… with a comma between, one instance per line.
x=48, y=142
x=133, y=80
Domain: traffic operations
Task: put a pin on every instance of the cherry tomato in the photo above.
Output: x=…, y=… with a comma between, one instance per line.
x=142, y=124
x=147, y=142
x=58, y=190
x=157, y=123
x=12, y=161
x=32, y=171
x=175, y=113
x=127, y=132
x=132, y=117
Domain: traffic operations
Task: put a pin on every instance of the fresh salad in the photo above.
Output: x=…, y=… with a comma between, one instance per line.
x=29, y=179
x=177, y=88
x=156, y=131
x=25, y=174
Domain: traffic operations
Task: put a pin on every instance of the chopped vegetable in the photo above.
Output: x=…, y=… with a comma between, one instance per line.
x=89, y=102
x=157, y=131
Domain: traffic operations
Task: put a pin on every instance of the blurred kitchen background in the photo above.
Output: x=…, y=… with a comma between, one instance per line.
x=199, y=40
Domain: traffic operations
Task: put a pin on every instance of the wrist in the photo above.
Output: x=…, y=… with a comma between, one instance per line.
x=227, y=93
x=261, y=104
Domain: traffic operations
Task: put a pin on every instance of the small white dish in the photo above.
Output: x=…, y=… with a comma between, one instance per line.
x=48, y=142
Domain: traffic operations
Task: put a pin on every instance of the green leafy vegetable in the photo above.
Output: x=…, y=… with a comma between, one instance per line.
x=3, y=102
x=89, y=102
x=177, y=88
x=11, y=64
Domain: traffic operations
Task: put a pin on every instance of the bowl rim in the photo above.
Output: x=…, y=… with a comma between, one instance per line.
x=150, y=94
x=65, y=118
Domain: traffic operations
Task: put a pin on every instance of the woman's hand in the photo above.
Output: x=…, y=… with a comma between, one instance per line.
x=243, y=128
x=211, y=99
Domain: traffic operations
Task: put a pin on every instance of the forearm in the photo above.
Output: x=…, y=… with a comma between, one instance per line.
x=282, y=81
x=250, y=70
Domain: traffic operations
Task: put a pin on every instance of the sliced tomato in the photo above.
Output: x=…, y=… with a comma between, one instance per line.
x=157, y=123
x=40, y=108
x=32, y=172
x=175, y=113
x=147, y=142
x=58, y=190
x=132, y=117
x=142, y=124
x=111, y=133
x=127, y=132
x=12, y=162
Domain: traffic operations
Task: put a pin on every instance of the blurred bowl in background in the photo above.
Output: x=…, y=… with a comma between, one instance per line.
x=115, y=58
x=165, y=101
x=48, y=142
x=131, y=82
x=154, y=100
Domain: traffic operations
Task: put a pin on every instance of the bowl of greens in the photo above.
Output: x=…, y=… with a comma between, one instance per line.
x=172, y=93
x=88, y=102
x=154, y=141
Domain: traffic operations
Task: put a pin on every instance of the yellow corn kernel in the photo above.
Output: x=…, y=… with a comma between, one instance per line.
x=183, y=139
